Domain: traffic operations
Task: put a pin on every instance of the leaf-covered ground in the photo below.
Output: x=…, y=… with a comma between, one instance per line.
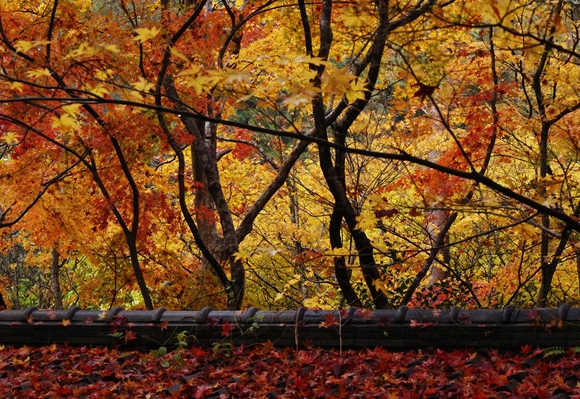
x=267, y=372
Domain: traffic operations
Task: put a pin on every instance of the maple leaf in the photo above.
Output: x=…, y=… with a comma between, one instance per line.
x=16, y=86
x=227, y=328
x=51, y=315
x=415, y=323
x=113, y=48
x=176, y=53
x=10, y=138
x=436, y=312
x=305, y=59
x=297, y=100
x=84, y=49
x=424, y=91
x=386, y=213
x=104, y=74
x=130, y=335
x=36, y=73
x=72, y=109
x=551, y=202
x=164, y=325
x=353, y=17
x=98, y=91
x=23, y=45
x=366, y=220
x=356, y=91
x=329, y=321
x=65, y=322
x=144, y=34
x=65, y=122
x=414, y=212
x=380, y=285
x=241, y=256
x=525, y=349
x=142, y=84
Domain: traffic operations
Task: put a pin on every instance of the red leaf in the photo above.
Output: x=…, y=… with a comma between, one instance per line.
x=227, y=328
x=414, y=212
x=424, y=91
x=415, y=323
x=386, y=213
x=130, y=336
x=329, y=321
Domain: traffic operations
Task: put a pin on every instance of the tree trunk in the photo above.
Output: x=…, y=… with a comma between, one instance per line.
x=55, y=279
x=341, y=272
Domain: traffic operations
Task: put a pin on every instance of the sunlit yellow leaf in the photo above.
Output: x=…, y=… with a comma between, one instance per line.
x=192, y=70
x=36, y=73
x=380, y=285
x=235, y=76
x=10, y=138
x=104, y=74
x=72, y=109
x=177, y=54
x=142, y=84
x=551, y=202
x=113, y=48
x=65, y=122
x=135, y=96
x=23, y=45
x=144, y=34
x=356, y=91
x=366, y=220
x=16, y=86
x=201, y=83
x=241, y=256
x=99, y=91
x=297, y=100
x=355, y=18
x=305, y=59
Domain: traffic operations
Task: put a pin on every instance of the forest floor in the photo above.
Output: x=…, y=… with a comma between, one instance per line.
x=263, y=371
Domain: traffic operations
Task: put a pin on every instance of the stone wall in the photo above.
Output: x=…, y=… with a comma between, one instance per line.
x=402, y=328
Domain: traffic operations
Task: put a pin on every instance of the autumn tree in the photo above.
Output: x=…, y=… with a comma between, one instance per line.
x=491, y=142
x=89, y=109
x=444, y=144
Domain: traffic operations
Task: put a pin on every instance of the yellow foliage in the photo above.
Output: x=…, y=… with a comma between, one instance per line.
x=145, y=34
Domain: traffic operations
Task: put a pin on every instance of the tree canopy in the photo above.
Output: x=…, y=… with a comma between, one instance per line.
x=280, y=153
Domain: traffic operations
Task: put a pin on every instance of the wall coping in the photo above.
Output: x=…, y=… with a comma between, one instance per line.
x=402, y=328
